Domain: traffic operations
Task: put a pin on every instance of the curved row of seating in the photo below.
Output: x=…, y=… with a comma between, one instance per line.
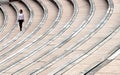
x=13, y=27
x=9, y=25
x=1, y=14
x=59, y=37
x=112, y=63
x=3, y=18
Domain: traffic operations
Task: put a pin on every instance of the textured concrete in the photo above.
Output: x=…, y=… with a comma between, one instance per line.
x=61, y=37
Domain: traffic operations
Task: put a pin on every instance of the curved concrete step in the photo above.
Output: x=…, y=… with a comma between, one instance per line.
x=13, y=27
x=1, y=18
x=97, y=57
x=5, y=17
x=113, y=65
x=11, y=22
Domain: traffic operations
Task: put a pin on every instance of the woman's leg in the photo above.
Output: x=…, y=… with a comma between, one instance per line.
x=20, y=24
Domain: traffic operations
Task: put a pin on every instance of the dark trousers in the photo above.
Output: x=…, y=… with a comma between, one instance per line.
x=20, y=24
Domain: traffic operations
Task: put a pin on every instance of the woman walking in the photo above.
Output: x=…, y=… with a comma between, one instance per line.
x=20, y=18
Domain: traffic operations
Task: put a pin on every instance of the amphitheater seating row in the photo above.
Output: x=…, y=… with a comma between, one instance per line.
x=6, y=35
x=3, y=19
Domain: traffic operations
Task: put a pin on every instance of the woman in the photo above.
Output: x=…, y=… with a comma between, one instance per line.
x=20, y=18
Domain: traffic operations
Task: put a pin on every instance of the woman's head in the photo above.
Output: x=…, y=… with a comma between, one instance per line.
x=21, y=11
